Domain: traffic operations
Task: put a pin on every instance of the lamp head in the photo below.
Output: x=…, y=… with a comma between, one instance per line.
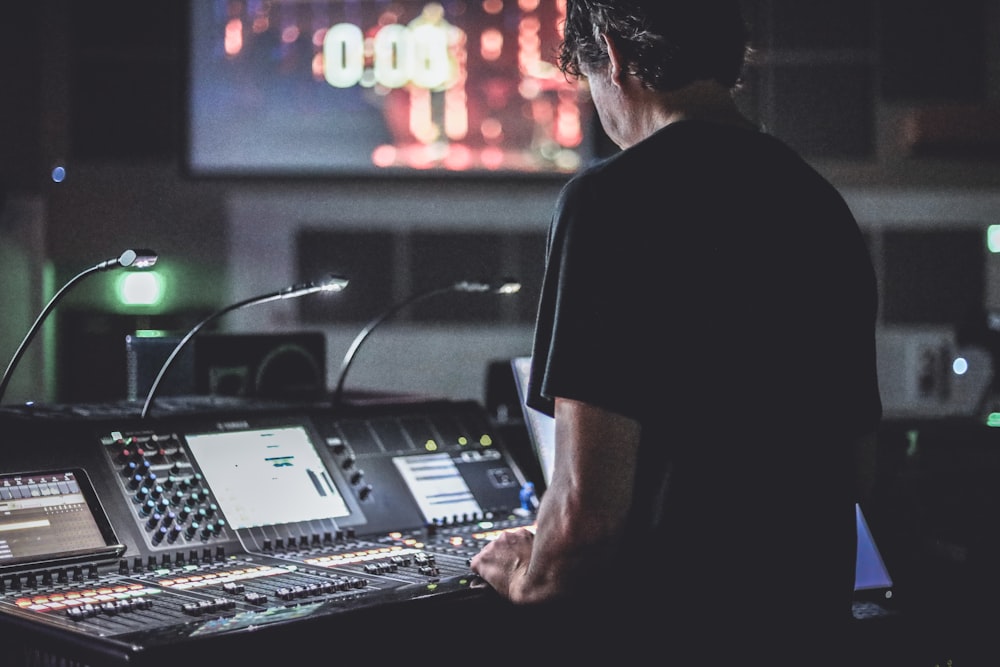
x=142, y=258
x=332, y=283
x=502, y=286
x=507, y=286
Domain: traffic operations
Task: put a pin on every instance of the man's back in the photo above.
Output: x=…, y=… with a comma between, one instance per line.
x=739, y=303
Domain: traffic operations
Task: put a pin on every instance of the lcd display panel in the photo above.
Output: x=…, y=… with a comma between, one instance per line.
x=267, y=476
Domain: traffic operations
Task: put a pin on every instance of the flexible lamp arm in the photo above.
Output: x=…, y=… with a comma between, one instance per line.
x=136, y=258
x=505, y=286
x=330, y=284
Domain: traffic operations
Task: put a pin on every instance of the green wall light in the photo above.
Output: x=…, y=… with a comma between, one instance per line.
x=140, y=288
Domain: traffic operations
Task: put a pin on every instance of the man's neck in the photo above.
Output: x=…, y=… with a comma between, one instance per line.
x=702, y=100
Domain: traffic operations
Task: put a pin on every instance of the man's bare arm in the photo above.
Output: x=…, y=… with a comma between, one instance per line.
x=582, y=514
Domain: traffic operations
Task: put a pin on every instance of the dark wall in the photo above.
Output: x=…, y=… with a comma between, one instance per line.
x=98, y=86
x=21, y=87
x=104, y=79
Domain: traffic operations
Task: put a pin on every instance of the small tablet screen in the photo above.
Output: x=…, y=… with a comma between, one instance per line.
x=52, y=516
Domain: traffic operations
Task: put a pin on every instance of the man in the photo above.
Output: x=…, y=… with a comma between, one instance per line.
x=705, y=341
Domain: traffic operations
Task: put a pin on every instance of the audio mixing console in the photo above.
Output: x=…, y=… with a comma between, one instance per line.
x=252, y=531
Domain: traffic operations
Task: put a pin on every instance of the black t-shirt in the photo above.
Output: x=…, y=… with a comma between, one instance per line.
x=712, y=285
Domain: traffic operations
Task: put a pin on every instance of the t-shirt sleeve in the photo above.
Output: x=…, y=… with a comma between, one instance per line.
x=584, y=335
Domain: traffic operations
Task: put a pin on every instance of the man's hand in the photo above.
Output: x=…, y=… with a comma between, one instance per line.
x=504, y=561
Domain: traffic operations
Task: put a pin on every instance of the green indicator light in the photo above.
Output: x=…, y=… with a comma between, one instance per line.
x=151, y=333
x=993, y=419
x=993, y=238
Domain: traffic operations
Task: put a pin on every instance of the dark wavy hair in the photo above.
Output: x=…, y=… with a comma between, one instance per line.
x=666, y=43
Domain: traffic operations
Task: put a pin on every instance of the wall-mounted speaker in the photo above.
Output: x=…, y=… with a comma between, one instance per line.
x=290, y=365
x=287, y=365
x=145, y=356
